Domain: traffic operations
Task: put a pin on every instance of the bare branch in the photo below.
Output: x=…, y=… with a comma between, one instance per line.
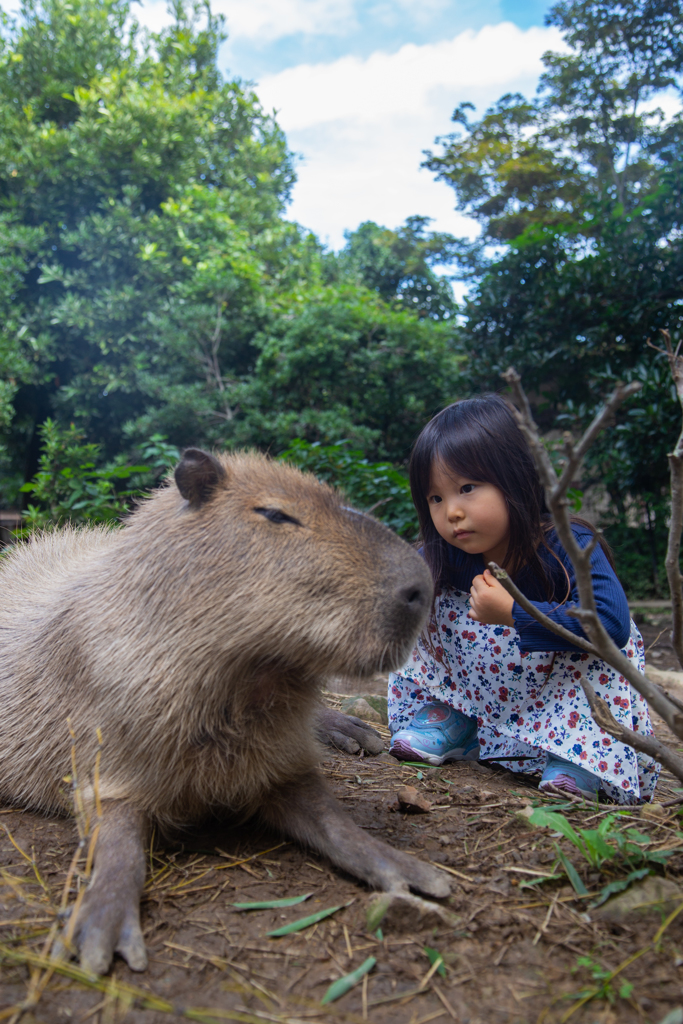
x=526, y=604
x=656, y=348
x=674, y=700
x=212, y=369
x=653, y=693
x=587, y=613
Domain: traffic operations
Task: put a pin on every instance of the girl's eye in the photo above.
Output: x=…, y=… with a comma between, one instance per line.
x=434, y=499
x=467, y=488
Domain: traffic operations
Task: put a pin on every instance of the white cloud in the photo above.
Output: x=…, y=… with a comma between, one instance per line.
x=361, y=125
x=264, y=20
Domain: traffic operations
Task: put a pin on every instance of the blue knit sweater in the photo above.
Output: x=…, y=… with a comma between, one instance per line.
x=609, y=595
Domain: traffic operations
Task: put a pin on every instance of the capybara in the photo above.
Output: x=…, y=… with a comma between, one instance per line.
x=195, y=639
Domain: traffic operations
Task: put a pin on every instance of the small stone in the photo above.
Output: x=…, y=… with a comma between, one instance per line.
x=524, y=813
x=653, y=811
x=359, y=708
x=413, y=801
x=654, y=895
x=386, y=758
x=378, y=704
x=674, y=1017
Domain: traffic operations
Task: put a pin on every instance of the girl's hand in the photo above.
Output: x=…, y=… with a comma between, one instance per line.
x=490, y=601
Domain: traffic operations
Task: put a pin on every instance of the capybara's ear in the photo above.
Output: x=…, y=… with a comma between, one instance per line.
x=197, y=475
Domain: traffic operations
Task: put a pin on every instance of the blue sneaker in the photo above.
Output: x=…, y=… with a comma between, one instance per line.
x=571, y=778
x=436, y=734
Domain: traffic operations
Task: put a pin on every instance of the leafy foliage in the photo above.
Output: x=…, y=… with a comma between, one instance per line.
x=581, y=186
x=399, y=264
x=69, y=485
x=375, y=487
x=339, y=362
x=133, y=183
x=613, y=843
x=603, y=982
x=150, y=284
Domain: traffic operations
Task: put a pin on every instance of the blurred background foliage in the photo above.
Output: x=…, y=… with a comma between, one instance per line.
x=580, y=256
x=153, y=294
x=375, y=487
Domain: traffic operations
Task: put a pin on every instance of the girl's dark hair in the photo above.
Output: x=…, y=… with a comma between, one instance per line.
x=479, y=438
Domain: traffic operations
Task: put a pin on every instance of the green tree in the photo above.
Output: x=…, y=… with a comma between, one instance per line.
x=579, y=189
x=151, y=284
x=338, y=362
x=72, y=485
x=140, y=200
x=591, y=143
x=399, y=265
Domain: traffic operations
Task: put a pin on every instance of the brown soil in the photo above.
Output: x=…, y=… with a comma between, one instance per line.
x=513, y=956
x=655, y=628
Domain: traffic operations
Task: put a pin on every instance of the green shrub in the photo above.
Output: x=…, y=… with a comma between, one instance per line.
x=376, y=487
x=70, y=486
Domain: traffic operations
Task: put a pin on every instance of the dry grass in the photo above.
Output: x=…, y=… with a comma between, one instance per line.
x=517, y=955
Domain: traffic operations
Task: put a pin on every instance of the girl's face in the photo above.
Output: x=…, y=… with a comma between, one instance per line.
x=469, y=514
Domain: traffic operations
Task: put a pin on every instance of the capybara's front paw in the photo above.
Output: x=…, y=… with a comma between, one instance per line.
x=104, y=927
x=347, y=733
x=396, y=871
x=419, y=877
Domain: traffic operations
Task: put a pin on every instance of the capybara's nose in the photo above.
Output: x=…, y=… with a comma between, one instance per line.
x=414, y=599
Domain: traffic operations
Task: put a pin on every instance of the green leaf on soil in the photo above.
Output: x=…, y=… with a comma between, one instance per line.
x=572, y=874
x=558, y=823
x=433, y=955
x=376, y=909
x=289, y=901
x=539, y=881
x=306, y=922
x=343, y=985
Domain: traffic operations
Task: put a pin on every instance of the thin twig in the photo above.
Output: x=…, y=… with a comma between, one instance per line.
x=654, y=642
x=545, y=620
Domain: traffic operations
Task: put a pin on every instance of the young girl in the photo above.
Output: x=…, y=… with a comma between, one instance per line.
x=486, y=680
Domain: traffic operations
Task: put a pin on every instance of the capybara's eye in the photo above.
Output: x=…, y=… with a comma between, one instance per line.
x=276, y=516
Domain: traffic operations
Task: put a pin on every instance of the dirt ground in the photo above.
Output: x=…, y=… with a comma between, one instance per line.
x=655, y=627
x=517, y=954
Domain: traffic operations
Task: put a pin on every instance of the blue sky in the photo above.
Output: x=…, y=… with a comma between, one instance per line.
x=363, y=87
x=328, y=30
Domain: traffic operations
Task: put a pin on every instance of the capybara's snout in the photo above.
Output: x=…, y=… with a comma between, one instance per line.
x=411, y=602
x=408, y=592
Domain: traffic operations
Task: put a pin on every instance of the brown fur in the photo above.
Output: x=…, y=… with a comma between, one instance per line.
x=196, y=639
